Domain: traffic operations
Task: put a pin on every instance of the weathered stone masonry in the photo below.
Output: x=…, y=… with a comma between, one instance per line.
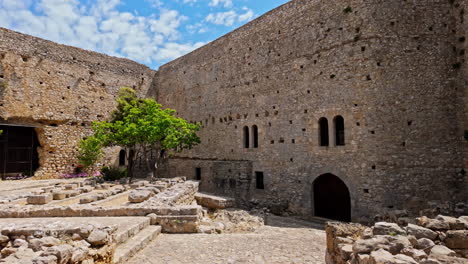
x=60, y=90
x=394, y=70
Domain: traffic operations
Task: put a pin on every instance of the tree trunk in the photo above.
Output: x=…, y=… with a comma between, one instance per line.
x=148, y=162
x=130, y=163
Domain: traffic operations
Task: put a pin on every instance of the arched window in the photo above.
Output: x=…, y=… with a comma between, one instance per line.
x=323, y=132
x=246, y=137
x=122, y=158
x=339, y=131
x=255, y=136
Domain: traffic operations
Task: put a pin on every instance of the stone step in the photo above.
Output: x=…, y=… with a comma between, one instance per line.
x=129, y=231
x=125, y=251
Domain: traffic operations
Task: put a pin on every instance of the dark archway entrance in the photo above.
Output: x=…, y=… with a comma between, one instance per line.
x=18, y=150
x=331, y=198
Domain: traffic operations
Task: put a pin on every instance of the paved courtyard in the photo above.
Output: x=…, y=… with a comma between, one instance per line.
x=282, y=240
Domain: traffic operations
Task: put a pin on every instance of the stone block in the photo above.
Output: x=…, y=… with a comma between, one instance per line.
x=420, y=232
x=457, y=239
x=59, y=195
x=70, y=186
x=40, y=199
x=88, y=199
x=139, y=196
x=214, y=202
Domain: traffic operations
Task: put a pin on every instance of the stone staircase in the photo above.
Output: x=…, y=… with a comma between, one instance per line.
x=134, y=238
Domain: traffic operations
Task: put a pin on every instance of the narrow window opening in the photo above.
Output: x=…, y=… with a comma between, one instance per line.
x=259, y=183
x=339, y=131
x=323, y=132
x=198, y=174
x=246, y=137
x=122, y=157
x=255, y=136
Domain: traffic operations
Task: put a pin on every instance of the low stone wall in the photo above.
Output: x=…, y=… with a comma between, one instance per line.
x=56, y=243
x=430, y=241
x=171, y=205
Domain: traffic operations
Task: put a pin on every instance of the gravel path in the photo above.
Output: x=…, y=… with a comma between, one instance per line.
x=282, y=241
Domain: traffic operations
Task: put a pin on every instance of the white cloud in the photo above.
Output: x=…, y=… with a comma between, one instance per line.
x=225, y=3
x=247, y=16
x=100, y=27
x=228, y=18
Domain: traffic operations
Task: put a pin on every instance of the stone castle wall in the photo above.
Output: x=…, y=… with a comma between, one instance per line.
x=60, y=90
x=388, y=67
x=394, y=70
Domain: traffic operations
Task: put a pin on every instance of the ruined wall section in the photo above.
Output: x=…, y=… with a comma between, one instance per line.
x=387, y=67
x=61, y=90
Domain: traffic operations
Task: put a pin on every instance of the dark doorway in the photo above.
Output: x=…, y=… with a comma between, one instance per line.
x=259, y=184
x=323, y=132
x=339, y=131
x=255, y=136
x=198, y=174
x=18, y=151
x=331, y=198
x=122, y=158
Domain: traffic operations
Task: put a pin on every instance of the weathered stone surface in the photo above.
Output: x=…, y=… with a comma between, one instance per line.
x=382, y=257
x=98, y=237
x=437, y=225
x=70, y=186
x=346, y=250
x=442, y=250
x=420, y=232
x=88, y=199
x=39, y=199
x=457, y=239
x=383, y=228
x=79, y=255
x=62, y=252
x=59, y=195
x=414, y=253
x=425, y=244
x=454, y=223
x=4, y=239
x=214, y=202
x=51, y=259
x=138, y=196
x=20, y=243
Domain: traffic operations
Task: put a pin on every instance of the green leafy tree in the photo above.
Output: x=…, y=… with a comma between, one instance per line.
x=89, y=151
x=143, y=127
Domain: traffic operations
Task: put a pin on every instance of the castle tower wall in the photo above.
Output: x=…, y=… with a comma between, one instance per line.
x=60, y=90
x=387, y=67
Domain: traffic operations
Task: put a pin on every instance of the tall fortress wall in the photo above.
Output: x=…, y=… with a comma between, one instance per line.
x=394, y=70
x=60, y=90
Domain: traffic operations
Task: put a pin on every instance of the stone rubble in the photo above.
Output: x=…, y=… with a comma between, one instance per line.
x=56, y=243
x=436, y=240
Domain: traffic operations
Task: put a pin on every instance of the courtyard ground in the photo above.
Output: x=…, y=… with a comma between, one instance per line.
x=281, y=240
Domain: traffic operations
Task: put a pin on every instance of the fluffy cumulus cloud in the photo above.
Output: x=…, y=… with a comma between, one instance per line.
x=100, y=27
x=225, y=3
x=231, y=17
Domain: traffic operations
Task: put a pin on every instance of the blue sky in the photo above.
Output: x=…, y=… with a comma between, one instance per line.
x=151, y=32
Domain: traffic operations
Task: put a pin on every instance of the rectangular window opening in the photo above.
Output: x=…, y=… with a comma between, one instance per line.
x=259, y=184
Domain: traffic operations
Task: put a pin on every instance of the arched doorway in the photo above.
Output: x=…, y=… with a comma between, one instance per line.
x=331, y=198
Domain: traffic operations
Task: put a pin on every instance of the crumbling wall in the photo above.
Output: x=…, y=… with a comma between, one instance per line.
x=61, y=90
x=387, y=67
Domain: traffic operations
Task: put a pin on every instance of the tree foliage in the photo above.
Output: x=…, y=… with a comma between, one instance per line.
x=89, y=151
x=143, y=127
